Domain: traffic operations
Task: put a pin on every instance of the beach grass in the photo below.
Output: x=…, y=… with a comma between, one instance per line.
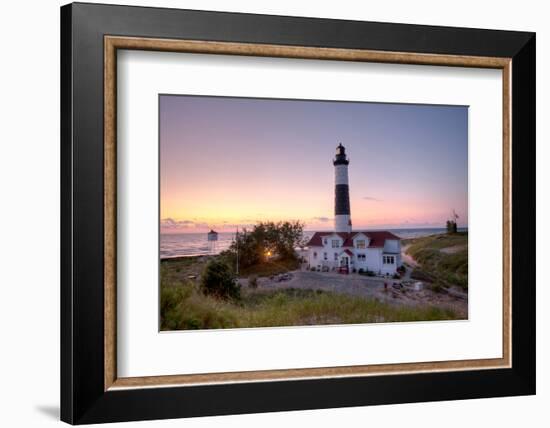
x=182, y=268
x=185, y=307
x=443, y=259
x=270, y=268
x=185, y=267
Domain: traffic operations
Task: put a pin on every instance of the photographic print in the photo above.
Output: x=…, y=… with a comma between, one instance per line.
x=287, y=212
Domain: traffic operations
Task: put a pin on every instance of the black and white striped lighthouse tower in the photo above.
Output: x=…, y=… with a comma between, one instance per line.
x=342, y=218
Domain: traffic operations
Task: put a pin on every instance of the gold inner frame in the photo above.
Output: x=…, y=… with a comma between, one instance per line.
x=112, y=43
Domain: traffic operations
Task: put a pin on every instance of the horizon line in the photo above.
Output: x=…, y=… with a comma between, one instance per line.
x=373, y=229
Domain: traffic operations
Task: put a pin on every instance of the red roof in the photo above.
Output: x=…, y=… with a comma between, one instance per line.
x=348, y=252
x=377, y=238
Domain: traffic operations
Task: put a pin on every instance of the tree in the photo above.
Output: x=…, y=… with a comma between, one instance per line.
x=266, y=240
x=218, y=280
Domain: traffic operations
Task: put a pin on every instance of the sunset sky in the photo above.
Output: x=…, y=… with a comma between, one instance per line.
x=228, y=162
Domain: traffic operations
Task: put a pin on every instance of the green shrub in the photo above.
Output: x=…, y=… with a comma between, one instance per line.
x=185, y=308
x=218, y=280
x=171, y=299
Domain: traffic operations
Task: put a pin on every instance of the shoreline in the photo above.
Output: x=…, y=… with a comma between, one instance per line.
x=404, y=241
x=182, y=257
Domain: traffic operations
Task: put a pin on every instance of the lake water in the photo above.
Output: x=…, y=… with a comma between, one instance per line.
x=195, y=244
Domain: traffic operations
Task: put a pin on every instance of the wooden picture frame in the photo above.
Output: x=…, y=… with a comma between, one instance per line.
x=91, y=390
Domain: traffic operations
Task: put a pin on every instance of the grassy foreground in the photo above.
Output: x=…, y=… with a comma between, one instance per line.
x=443, y=258
x=184, y=306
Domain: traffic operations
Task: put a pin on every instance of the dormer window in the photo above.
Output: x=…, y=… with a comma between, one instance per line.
x=360, y=243
x=335, y=243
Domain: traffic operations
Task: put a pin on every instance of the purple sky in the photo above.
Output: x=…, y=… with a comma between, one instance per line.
x=234, y=161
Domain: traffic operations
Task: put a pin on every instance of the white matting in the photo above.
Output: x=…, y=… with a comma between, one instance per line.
x=143, y=351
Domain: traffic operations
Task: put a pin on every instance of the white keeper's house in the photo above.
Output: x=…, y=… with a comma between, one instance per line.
x=348, y=250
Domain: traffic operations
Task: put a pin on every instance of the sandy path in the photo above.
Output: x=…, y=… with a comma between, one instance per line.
x=454, y=249
x=407, y=258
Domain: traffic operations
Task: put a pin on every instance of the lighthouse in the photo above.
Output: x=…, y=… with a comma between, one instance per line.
x=342, y=218
x=347, y=251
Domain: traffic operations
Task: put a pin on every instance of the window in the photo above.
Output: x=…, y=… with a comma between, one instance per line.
x=360, y=243
x=388, y=260
x=314, y=255
x=361, y=257
x=336, y=256
x=325, y=241
x=335, y=243
x=325, y=256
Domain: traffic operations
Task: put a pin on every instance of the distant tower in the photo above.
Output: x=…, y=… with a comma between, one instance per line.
x=212, y=241
x=342, y=219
